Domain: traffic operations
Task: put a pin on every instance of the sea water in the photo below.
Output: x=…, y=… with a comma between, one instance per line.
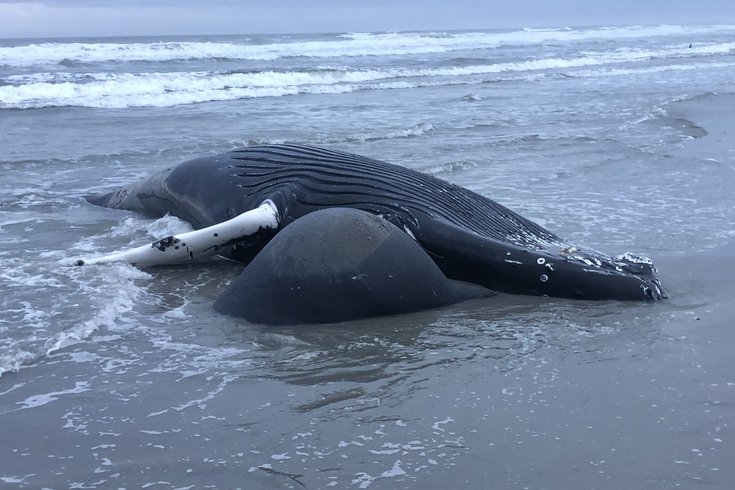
x=611, y=137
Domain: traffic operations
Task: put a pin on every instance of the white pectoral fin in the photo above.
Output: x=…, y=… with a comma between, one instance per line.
x=195, y=245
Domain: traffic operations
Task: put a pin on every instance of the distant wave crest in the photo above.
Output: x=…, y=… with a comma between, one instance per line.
x=347, y=45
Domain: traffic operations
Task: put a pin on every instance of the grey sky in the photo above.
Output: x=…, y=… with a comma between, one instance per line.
x=52, y=18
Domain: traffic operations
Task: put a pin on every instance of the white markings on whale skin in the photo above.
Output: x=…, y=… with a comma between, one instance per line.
x=197, y=244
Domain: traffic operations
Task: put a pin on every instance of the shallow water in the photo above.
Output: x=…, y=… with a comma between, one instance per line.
x=612, y=138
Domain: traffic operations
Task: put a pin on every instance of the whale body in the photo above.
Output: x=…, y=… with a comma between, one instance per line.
x=469, y=237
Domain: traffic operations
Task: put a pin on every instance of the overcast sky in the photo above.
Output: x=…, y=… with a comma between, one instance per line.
x=72, y=18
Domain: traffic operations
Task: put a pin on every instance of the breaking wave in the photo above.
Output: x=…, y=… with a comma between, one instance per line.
x=345, y=45
x=166, y=89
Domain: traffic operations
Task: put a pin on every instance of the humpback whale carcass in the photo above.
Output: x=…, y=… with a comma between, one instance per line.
x=240, y=200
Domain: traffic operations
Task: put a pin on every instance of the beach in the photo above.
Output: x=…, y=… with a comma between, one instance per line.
x=619, y=138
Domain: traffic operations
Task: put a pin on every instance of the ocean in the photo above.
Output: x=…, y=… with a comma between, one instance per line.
x=616, y=138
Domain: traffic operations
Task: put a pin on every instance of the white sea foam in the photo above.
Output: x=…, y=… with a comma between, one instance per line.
x=37, y=328
x=409, y=132
x=12, y=360
x=174, y=88
x=363, y=480
x=44, y=398
x=168, y=225
x=12, y=479
x=201, y=402
x=154, y=89
x=651, y=69
x=122, y=299
x=448, y=168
